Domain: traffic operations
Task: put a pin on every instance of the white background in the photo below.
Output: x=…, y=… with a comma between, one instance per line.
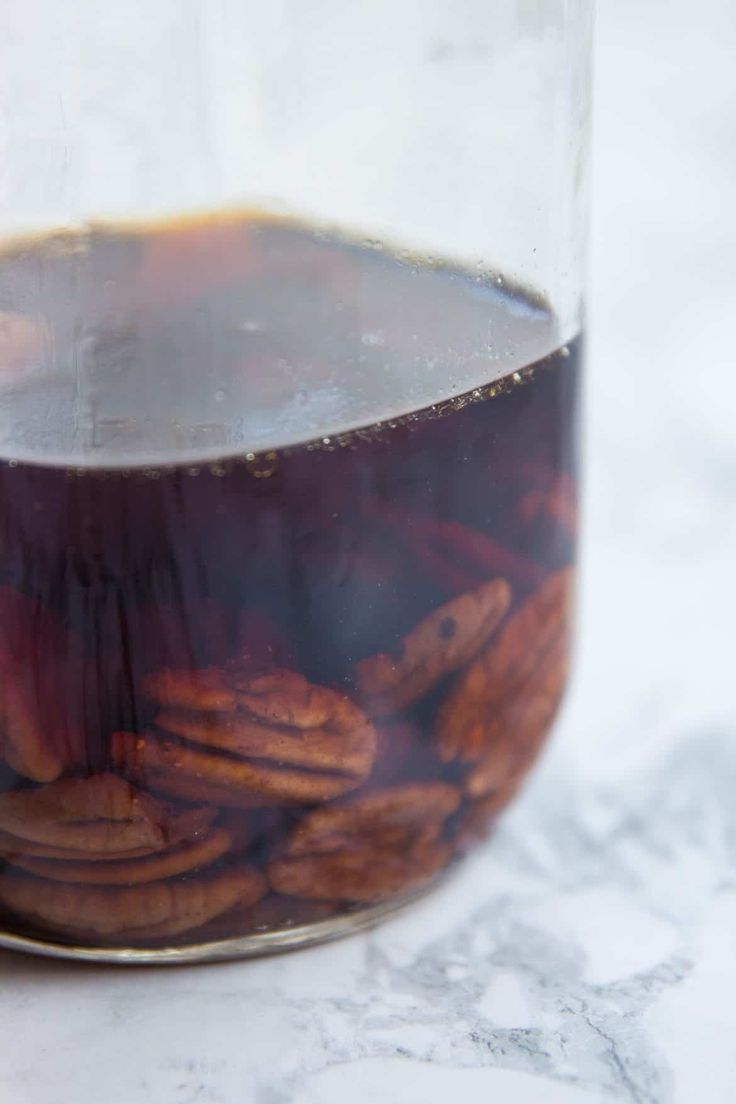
x=588, y=953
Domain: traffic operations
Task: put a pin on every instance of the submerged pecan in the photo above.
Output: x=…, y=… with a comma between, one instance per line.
x=441, y=643
x=12, y=847
x=369, y=847
x=102, y=814
x=280, y=739
x=24, y=742
x=498, y=676
x=180, y=859
x=160, y=761
x=516, y=731
x=40, y=670
x=361, y=874
x=151, y=911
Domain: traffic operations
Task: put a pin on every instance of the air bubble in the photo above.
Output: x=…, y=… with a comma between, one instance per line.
x=499, y=281
x=325, y=440
x=263, y=465
x=565, y=351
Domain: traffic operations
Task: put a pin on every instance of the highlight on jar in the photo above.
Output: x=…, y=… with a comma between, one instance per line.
x=288, y=520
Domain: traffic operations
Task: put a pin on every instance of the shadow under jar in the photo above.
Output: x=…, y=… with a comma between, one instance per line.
x=287, y=527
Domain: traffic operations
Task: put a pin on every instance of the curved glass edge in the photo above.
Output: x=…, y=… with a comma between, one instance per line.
x=255, y=945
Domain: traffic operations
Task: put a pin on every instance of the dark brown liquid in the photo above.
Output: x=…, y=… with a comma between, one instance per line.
x=267, y=457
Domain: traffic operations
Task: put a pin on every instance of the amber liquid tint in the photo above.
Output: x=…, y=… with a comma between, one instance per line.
x=286, y=533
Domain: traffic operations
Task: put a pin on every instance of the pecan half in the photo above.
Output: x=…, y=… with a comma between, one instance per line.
x=348, y=752
x=12, y=847
x=181, y=859
x=24, y=740
x=367, y=848
x=499, y=673
x=151, y=911
x=395, y=816
x=159, y=760
x=441, y=643
x=98, y=814
x=281, y=739
x=40, y=670
x=516, y=731
x=362, y=874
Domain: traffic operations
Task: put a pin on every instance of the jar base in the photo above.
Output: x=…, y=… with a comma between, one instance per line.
x=253, y=945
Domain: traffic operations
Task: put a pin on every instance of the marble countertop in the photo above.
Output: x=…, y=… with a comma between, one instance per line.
x=587, y=953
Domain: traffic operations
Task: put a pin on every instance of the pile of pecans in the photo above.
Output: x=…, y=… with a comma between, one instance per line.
x=179, y=834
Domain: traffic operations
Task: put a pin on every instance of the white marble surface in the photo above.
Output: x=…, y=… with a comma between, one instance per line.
x=588, y=953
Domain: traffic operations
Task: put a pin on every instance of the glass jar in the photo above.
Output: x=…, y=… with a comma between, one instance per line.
x=290, y=312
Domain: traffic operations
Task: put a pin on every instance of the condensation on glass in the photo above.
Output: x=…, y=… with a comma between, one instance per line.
x=290, y=334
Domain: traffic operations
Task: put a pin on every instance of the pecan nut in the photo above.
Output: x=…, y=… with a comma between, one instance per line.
x=368, y=848
x=441, y=643
x=516, y=731
x=180, y=859
x=362, y=874
x=13, y=847
x=40, y=669
x=150, y=911
x=24, y=741
x=281, y=739
x=165, y=765
x=499, y=673
x=101, y=814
